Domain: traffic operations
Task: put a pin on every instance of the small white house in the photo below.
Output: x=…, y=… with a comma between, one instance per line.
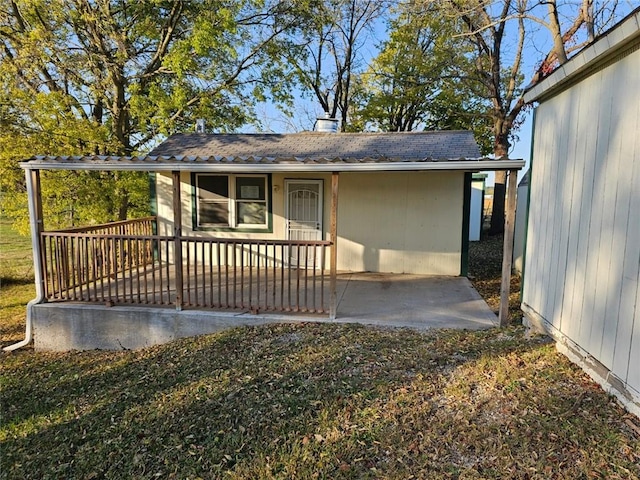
x=582, y=258
x=252, y=228
x=391, y=219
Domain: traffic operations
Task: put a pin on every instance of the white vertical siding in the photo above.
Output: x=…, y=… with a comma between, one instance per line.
x=580, y=195
x=603, y=180
x=583, y=243
x=627, y=344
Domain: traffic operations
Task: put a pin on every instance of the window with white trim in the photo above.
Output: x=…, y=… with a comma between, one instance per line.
x=232, y=201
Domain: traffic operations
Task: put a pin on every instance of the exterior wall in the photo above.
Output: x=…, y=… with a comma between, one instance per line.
x=397, y=222
x=520, y=228
x=477, y=207
x=401, y=222
x=583, y=243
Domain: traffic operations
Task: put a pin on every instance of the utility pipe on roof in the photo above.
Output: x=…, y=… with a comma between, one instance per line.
x=35, y=219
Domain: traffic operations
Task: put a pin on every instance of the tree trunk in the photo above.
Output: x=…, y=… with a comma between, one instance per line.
x=501, y=151
x=554, y=27
x=497, y=212
x=123, y=208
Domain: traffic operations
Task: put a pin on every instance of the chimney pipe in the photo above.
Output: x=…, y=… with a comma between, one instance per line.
x=326, y=124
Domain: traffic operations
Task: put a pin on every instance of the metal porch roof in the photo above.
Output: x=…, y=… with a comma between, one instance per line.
x=259, y=164
x=311, y=151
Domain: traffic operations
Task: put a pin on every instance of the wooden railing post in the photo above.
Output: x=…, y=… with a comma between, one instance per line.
x=509, y=229
x=177, y=234
x=333, y=266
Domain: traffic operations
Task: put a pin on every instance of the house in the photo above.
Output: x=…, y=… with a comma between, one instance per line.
x=476, y=213
x=252, y=227
x=255, y=186
x=582, y=258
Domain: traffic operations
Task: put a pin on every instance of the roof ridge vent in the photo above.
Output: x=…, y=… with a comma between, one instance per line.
x=326, y=124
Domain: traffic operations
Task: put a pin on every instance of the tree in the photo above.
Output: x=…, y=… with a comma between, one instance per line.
x=412, y=84
x=114, y=76
x=498, y=31
x=328, y=54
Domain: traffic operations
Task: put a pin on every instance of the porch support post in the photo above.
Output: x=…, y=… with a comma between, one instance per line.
x=333, y=267
x=507, y=255
x=177, y=236
x=37, y=227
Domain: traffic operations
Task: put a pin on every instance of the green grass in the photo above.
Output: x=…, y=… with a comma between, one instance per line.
x=16, y=259
x=309, y=401
x=313, y=401
x=16, y=282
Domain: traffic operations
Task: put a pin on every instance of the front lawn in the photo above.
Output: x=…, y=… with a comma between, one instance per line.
x=309, y=401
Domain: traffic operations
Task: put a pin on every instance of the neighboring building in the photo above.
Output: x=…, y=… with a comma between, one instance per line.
x=476, y=213
x=521, y=224
x=583, y=241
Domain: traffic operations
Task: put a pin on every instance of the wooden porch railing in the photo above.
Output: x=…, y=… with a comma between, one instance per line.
x=256, y=275
x=126, y=263
x=75, y=258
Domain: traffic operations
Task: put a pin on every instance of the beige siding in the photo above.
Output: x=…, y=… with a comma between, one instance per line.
x=401, y=222
x=404, y=222
x=583, y=244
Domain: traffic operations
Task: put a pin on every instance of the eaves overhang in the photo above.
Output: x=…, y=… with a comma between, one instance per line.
x=262, y=165
x=621, y=40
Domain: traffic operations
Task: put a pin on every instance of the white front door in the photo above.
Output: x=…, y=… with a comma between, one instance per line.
x=304, y=214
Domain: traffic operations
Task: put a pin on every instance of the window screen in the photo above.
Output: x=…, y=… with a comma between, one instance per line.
x=213, y=200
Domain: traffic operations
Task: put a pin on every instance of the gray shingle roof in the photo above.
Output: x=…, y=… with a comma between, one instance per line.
x=312, y=152
x=315, y=146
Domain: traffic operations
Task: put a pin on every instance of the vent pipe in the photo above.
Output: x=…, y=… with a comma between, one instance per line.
x=326, y=124
x=200, y=125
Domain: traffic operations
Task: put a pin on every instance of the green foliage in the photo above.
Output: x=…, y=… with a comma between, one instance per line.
x=415, y=81
x=114, y=77
x=16, y=257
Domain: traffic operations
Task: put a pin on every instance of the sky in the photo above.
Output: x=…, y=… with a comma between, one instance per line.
x=306, y=110
x=532, y=54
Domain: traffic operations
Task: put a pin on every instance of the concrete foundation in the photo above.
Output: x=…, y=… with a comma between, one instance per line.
x=73, y=326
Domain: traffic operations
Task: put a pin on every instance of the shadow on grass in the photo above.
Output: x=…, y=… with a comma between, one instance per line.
x=8, y=280
x=274, y=401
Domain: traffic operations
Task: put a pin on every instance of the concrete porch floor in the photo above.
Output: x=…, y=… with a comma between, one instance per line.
x=419, y=302
x=415, y=301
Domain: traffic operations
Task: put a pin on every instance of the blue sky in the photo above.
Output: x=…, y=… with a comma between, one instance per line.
x=306, y=109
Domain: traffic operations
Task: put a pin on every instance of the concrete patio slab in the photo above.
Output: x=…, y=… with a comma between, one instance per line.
x=421, y=302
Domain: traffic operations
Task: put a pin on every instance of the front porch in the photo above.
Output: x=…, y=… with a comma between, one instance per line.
x=120, y=285
x=234, y=261
x=387, y=300
x=125, y=263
